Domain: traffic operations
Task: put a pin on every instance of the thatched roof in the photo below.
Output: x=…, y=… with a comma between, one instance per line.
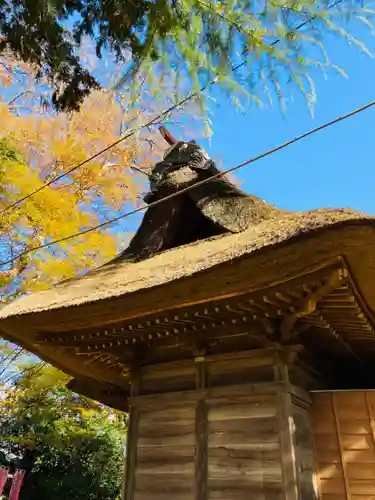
x=214, y=208
x=122, y=278
x=213, y=240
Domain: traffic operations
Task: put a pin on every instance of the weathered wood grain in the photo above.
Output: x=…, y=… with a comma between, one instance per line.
x=223, y=442
x=255, y=489
x=243, y=463
x=287, y=447
x=201, y=450
x=176, y=378
x=152, y=495
x=304, y=453
x=168, y=414
x=240, y=371
x=249, y=472
x=131, y=455
x=236, y=443
x=246, y=453
x=166, y=451
x=182, y=438
x=250, y=426
x=167, y=468
x=256, y=435
x=220, y=394
x=252, y=408
x=165, y=429
x=167, y=454
x=243, y=494
x=166, y=483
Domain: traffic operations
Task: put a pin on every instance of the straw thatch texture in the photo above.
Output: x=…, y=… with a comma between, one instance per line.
x=210, y=209
x=119, y=279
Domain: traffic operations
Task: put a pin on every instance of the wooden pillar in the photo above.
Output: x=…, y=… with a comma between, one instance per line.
x=201, y=436
x=131, y=443
x=216, y=428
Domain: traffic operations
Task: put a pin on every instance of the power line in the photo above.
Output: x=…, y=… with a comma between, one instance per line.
x=154, y=120
x=197, y=184
x=38, y=367
x=11, y=360
x=12, y=353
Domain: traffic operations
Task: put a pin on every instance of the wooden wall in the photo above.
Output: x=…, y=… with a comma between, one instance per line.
x=219, y=449
x=165, y=467
x=217, y=433
x=244, y=449
x=344, y=435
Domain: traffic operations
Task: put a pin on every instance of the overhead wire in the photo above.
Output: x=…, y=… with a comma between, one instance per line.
x=197, y=184
x=153, y=121
x=34, y=369
x=11, y=360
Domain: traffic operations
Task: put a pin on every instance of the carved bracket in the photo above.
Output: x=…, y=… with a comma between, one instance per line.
x=288, y=327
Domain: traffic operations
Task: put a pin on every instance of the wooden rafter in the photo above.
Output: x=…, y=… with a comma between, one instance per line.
x=325, y=300
x=309, y=303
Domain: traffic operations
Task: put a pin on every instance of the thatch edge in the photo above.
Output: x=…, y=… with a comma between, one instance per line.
x=275, y=238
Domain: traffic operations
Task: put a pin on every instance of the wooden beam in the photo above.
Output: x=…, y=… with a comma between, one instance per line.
x=288, y=457
x=201, y=434
x=185, y=332
x=151, y=402
x=309, y=303
x=131, y=445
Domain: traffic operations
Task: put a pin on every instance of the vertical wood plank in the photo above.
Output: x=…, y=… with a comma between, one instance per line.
x=132, y=440
x=286, y=438
x=341, y=447
x=131, y=454
x=200, y=367
x=201, y=450
x=316, y=466
x=287, y=447
x=371, y=417
x=201, y=436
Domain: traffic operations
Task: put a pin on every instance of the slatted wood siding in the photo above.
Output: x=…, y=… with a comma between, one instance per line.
x=244, y=451
x=166, y=455
x=344, y=434
x=219, y=428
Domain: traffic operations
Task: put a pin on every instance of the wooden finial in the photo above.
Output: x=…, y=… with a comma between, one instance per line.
x=167, y=136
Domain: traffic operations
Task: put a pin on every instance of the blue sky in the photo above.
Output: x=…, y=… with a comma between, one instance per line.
x=333, y=168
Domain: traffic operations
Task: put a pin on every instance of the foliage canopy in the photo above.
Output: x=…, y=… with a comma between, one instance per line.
x=70, y=446
x=195, y=40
